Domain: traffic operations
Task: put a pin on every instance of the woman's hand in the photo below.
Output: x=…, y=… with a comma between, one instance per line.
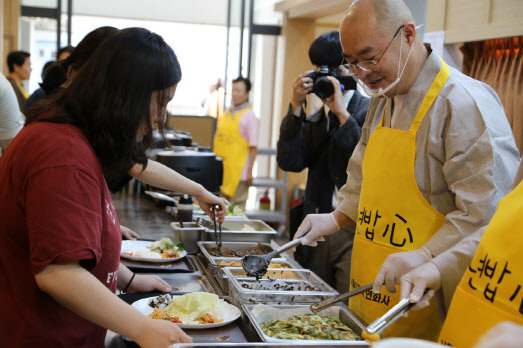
x=127, y=233
x=147, y=283
x=208, y=201
x=160, y=333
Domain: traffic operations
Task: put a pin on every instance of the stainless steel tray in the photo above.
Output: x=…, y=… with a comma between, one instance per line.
x=189, y=235
x=297, y=279
x=222, y=279
x=215, y=263
x=185, y=282
x=232, y=231
x=211, y=260
x=345, y=315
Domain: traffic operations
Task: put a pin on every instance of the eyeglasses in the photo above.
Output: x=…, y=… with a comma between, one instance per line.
x=369, y=65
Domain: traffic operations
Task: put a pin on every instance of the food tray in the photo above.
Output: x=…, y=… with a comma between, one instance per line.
x=345, y=315
x=211, y=260
x=296, y=289
x=189, y=235
x=232, y=231
x=221, y=277
x=214, y=265
x=186, y=282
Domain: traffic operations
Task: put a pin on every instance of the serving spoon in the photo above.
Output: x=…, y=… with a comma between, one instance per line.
x=256, y=265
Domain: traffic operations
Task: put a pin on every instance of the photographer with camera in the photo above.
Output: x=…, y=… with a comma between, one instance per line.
x=323, y=142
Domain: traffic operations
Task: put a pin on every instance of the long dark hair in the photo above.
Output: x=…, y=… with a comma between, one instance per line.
x=110, y=98
x=57, y=73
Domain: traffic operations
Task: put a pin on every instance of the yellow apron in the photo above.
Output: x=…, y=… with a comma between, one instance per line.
x=230, y=145
x=491, y=291
x=22, y=90
x=393, y=216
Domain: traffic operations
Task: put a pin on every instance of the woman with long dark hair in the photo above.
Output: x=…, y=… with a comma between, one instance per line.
x=61, y=238
x=60, y=75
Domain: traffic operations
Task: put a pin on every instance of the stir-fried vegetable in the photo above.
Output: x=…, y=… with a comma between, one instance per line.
x=309, y=327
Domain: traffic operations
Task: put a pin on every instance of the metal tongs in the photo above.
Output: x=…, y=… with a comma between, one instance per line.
x=315, y=308
x=217, y=235
x=396, y=312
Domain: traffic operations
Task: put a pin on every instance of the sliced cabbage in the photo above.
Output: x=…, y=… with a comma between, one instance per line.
x=162, y=244
x=192, y=306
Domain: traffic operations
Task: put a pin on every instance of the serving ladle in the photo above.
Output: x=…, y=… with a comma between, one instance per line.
x=256, y=265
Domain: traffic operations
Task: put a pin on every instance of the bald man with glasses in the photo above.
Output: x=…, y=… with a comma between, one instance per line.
x=435, y=157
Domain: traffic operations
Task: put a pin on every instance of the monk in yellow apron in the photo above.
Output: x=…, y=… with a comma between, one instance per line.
x=393, y=216
x=230, y=145
x=491, y=291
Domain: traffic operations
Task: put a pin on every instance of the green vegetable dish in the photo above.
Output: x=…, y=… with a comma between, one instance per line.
x=166, y=243
x=309, y=327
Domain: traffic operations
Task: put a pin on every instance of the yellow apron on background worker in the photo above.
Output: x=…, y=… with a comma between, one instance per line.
x=393, y=216
x=491, y=291
x=21, y=88
x=232, y=148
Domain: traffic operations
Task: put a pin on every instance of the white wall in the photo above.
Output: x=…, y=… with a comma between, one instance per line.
x=184, y=11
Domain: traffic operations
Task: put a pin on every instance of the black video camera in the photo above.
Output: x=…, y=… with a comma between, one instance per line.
x=323, y=88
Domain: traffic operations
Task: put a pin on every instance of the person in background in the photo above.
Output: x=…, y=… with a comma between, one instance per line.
x=46, y=89
x=61, y=238
x=64, y=52
x=11, y=119
x=39, y=94
x=435, y=156
x=59, y=72
x=19, y=64
x=482, y=274
x=323, y=143
x=236, y=141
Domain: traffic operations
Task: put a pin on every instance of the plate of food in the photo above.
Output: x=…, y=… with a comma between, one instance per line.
x=195, y=310
x=163, y=250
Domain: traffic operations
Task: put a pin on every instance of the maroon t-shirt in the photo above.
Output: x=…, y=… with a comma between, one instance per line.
x=55, y=207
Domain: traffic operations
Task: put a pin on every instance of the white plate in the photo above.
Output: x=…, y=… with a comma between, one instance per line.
x=232, y=313
x=130, y=246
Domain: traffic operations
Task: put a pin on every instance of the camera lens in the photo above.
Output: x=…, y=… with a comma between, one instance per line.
x=323, y=87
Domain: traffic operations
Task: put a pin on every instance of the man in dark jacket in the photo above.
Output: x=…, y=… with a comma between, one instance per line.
x=323, y=142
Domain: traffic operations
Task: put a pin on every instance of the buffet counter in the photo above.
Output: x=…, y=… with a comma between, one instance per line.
x=210, y=271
